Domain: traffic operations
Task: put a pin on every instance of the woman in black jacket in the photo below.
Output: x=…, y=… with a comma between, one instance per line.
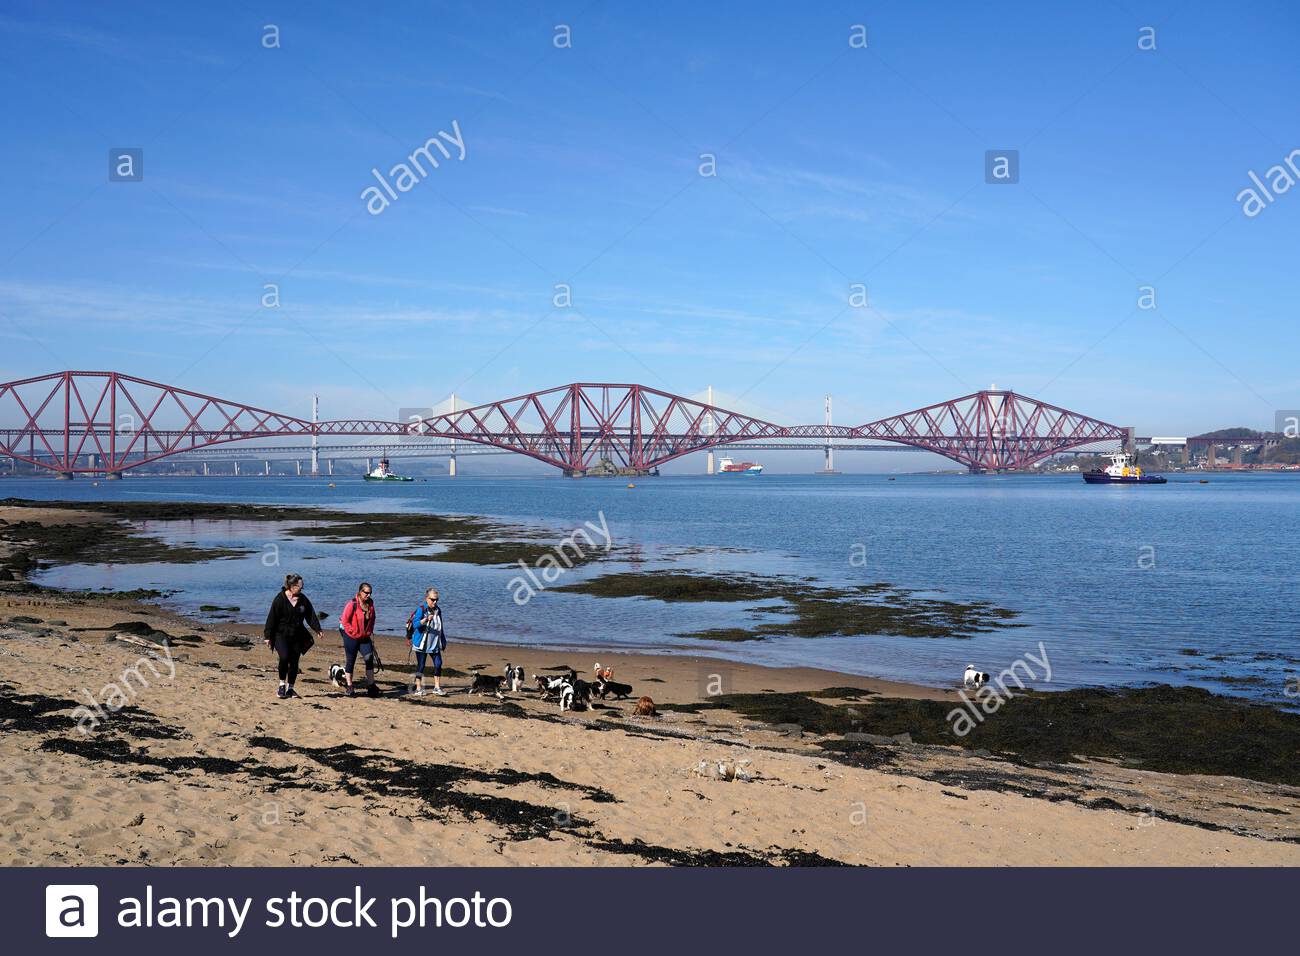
x=289, y=629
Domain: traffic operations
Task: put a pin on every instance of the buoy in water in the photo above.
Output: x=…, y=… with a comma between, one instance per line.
x=631, y=486
x=331, y=484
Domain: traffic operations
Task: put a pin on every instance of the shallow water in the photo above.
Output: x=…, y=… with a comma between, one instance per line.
x=1182, y=583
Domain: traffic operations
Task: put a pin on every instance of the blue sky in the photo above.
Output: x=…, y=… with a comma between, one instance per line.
x=835, y=165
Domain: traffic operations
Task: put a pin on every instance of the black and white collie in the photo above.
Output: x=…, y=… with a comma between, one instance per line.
x=575, y=693
x=485, y=684
x=338, y=676
x=549, y=686
x=515, y=678
x=974, y=678
x=604, y=688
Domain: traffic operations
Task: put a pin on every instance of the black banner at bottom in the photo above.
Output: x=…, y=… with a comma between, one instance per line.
x=642, y=910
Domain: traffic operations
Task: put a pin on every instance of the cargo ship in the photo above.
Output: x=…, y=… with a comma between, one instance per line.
x=382, y=473
x=1121, y=471
x=728, y=467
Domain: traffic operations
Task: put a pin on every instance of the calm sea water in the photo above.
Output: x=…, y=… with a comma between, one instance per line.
x=1185, y=583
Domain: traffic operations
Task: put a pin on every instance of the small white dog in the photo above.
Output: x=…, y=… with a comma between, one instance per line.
x=974, y=678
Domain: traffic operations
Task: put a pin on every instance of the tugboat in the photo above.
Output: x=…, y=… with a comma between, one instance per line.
x=728, y=467
x=1121, y=471
x=383, y=474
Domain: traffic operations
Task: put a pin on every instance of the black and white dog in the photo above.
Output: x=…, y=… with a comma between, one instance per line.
x=338, y=676
x=485, y=683
x=515, y=678
x=604, y=688
x=575, y=693
x=974, y=678
x=549, y=686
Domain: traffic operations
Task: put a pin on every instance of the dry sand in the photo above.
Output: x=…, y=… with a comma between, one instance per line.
x=208, y=768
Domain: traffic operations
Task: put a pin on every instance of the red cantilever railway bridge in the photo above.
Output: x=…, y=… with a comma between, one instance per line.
x=106, y=422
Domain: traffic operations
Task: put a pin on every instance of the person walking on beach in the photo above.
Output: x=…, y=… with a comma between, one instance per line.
x=428, y=641
x=357, y=625
x=289, y=628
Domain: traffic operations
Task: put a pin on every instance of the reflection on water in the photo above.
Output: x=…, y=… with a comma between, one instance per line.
x=1184, y=583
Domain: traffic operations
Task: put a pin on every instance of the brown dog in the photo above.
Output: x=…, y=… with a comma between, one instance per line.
x=645, y=707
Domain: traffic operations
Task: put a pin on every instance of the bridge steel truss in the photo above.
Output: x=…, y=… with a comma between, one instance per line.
x=106, y=422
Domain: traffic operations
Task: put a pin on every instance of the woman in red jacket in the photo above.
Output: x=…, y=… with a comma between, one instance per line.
x=357, y=624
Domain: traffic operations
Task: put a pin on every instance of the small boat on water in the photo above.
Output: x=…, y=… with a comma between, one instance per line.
x=1121, y=471
x=383, y=473
x=728, y=467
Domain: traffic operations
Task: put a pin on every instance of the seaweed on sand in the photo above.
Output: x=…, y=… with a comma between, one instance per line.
x=777, y=708
x=1181, y=730
x=33, y=712
x=776, y=856
x=437, y=786
x=1163, y=728
x=111, y=750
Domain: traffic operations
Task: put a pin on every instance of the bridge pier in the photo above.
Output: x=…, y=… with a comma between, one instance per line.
x=64, y=476
x=451, y=462
x=708, y=430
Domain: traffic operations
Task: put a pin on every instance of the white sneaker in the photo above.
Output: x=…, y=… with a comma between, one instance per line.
x=440, y=692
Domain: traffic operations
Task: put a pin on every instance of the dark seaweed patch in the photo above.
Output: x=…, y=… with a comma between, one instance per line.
x=858, y=754
x=1169, y=729
x=436, y=785
x=33, y=712
x=509, y=553
x=470, y=540
x=119, y=751
x=817, y=611
x=746, y=858
x=97, y=542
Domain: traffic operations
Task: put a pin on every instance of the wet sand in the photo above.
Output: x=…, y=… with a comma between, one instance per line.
x=203, y=766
